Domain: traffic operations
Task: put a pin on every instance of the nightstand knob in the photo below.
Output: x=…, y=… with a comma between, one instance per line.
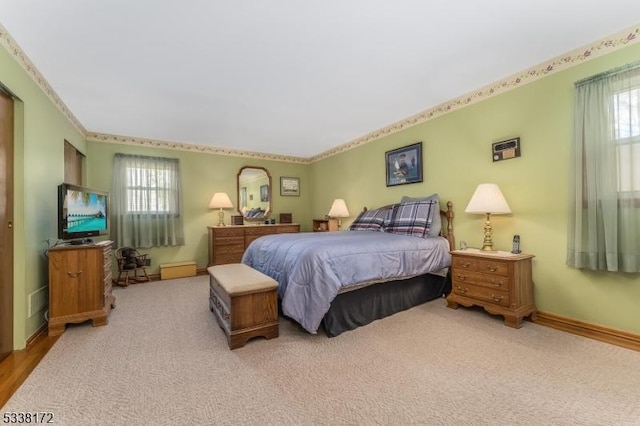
x=462, y=277
x=492, y=268
x=496, y=298
x=462, y=290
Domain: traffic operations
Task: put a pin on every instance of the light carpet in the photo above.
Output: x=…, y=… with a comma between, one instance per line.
x=163, y=360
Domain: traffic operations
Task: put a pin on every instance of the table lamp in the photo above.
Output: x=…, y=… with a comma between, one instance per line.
x=220, y=200
x=339, y=210
x=487, y=200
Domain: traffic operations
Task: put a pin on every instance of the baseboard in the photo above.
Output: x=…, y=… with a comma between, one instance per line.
x=592, y=331
x=42, y=330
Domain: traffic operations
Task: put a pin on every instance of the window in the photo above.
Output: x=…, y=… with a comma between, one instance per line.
x=604, y=221
x=146, y=201
x=626, y=106
x=149, y=190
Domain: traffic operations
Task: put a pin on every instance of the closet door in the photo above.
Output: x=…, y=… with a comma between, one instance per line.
x=6, y=225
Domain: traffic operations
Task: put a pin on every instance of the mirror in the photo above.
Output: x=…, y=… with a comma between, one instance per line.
x=254, y=193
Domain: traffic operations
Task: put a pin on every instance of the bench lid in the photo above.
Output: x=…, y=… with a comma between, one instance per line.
x=240, y=278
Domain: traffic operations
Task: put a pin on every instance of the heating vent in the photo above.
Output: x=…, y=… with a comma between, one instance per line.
x=37, y=300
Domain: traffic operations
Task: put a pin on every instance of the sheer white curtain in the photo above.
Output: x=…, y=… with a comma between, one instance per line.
x=604, y=222
x=146, y=203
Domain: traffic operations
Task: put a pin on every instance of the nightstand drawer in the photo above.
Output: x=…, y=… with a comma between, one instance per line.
x=464, y=263
x=482, y=293
x=477, y=278
x=493, y=267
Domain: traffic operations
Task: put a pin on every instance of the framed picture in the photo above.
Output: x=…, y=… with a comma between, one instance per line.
x=404, y=165
x=290, y=186
x=264, y=192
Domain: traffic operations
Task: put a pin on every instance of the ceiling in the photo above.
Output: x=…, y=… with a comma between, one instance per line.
x=287, y=77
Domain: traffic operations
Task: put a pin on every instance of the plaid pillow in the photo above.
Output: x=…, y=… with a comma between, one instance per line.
x=370, y=220
x=413, y=218
x=436, y=225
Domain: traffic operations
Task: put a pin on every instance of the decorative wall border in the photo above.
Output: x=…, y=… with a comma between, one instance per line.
x=577, y=56
x=180, y=146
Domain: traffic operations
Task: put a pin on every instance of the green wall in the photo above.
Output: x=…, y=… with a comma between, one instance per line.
x=202, y=176
x=456, y=155
x=40, y=131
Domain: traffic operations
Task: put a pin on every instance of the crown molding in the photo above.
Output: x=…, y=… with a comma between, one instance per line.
x=23, y=60
x=575, y=57
x=560, y=63
x=154, y=143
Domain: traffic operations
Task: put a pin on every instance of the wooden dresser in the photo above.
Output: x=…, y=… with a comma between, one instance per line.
x=500, y=282
x=79, y=285
x=228, y=243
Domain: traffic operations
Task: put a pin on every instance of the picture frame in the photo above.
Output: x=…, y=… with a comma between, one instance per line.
x=404, y=165
x=289, y=186
x=264, y=193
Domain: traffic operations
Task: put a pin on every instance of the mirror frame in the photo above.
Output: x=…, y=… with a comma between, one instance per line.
x=270, y=195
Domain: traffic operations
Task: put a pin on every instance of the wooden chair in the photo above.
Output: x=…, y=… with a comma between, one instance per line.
x=131, y=264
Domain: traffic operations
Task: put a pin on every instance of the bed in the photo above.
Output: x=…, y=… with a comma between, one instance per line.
x=391, y=259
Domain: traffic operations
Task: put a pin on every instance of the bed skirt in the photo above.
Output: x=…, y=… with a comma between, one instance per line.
x=356, y=308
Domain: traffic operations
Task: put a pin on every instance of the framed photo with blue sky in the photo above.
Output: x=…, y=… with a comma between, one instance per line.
x=404, y=165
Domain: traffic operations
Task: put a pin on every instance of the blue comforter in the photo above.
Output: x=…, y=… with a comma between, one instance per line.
x=311, y=268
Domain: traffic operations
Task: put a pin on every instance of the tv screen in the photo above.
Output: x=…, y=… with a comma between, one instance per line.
x=82, y=212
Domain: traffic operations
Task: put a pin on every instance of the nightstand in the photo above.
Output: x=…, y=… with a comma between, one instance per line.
x=324, y=225
x=500, y=282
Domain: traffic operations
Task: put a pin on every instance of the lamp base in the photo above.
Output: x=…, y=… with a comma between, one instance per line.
x=221, y=218
x=487, y=244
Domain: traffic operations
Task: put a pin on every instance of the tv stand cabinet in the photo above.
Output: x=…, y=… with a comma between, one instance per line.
x=79, y=285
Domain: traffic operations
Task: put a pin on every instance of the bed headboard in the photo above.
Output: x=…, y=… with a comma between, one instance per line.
x=447, y=216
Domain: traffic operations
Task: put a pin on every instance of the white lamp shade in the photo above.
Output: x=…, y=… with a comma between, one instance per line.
x=220, y=200
x=339, y=208
x=488, y=199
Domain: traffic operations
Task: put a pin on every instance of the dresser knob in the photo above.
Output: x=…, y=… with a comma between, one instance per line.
x=462, y=290
x=465, y=264
x=496, y=284
x=496, y=298
x=462, y=277
x=492, y=268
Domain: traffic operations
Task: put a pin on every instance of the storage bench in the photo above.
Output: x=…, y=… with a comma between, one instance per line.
x=244, y=301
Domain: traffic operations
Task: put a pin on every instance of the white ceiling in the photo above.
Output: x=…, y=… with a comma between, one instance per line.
x=287, y=77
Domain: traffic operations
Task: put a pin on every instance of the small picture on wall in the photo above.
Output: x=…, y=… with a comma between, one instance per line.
x=290, y=186
x=404, y=165
x=264, y=192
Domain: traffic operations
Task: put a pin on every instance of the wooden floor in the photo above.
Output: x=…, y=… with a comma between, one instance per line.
x=15, y=368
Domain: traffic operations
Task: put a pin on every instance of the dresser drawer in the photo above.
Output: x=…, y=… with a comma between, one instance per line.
x=227, y=232
x=485, y=280
x=260, y=230
x=225, y=258
x=227, y=241
x=291, y=229
x=485, y=294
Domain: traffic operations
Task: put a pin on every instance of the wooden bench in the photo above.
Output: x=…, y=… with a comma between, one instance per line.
x=244, y=301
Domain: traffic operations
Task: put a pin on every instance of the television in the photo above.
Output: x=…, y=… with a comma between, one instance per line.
x=82, y=213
